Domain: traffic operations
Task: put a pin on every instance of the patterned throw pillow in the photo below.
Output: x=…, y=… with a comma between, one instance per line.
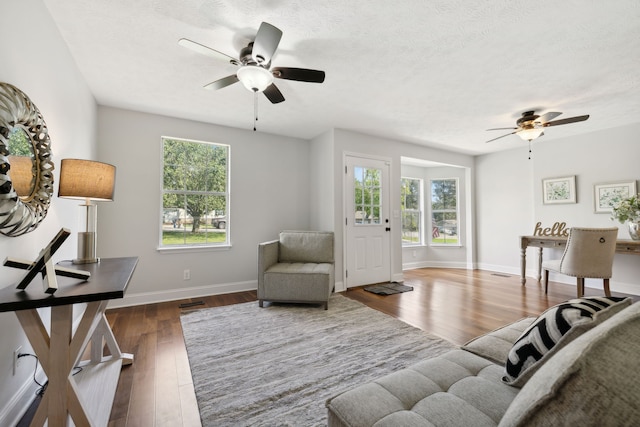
x=554, y=329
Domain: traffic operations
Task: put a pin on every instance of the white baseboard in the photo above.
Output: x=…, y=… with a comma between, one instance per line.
x=15, y=409
x=431, y=264
x=532, y=273
x=183, y=293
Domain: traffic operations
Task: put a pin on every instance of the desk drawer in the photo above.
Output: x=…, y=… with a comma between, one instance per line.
x=547, y=243
x=624, y=248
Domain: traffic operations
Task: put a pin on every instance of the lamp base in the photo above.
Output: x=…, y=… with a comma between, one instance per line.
x=86, y=248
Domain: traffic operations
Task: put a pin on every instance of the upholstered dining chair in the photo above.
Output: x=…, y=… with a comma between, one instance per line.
x=588, y=254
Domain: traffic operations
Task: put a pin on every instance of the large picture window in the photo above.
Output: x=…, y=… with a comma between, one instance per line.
x=444, y=211
x=195, y=194
x=411, y=203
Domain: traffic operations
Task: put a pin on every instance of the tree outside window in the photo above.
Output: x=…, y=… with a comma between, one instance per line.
x=410, y=191
x=195, y=193
x=444, y=211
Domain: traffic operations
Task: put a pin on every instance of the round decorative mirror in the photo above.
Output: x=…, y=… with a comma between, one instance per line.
x=26, y=167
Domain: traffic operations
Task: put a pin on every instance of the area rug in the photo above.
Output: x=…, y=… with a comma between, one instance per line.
x=277, y=365
x=388, y=288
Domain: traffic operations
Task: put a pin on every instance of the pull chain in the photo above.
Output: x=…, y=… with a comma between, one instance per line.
x=529, y=149
x=255, y=109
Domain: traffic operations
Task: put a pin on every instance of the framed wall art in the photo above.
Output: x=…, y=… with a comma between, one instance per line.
x=559, y=190
x=608, y=194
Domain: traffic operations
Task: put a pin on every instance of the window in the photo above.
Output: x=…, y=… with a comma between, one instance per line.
x=195, y=194
x=444, y=211
x=368, y=200
x=411, y=190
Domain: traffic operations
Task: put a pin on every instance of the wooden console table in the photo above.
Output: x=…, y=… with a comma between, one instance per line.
x=86, y=397
x=622, y=246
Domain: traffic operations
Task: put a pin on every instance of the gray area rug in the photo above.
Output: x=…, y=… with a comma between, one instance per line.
x=388, y=288
x=277, y=365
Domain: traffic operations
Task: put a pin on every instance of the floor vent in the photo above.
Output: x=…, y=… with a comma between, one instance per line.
x=191, y=304
x=500, y=275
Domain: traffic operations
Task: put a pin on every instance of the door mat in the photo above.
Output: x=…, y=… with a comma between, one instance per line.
x=388, y=288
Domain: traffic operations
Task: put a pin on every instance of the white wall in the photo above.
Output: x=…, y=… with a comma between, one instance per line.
x=510, y=197
x=36, y=60
x=269, y=193
x=321, y=177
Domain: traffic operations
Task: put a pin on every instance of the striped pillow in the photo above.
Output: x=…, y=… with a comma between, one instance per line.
x=552, y=330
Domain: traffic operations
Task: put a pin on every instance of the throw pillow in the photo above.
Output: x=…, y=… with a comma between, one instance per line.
x=554, y=329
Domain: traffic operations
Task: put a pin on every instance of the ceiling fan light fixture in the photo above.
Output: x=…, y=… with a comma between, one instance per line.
x=530, y=134
x=255, y=78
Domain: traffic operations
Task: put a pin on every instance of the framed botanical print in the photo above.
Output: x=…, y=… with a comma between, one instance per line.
x=559, y=190
x=609, y=194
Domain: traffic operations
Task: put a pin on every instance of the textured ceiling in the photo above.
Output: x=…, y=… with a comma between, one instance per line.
x=437, y=73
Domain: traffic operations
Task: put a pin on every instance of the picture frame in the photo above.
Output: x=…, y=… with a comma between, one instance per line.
x=605, y=195
x=559, y=190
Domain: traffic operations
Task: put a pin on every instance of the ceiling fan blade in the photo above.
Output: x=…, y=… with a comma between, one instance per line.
x=204, y=50
x=266, y=43
x=511, y=128
x=546, y=117
x=567, y=121
x=223, y=82
x=502, y=136
x=273, y=94
x=299, y=74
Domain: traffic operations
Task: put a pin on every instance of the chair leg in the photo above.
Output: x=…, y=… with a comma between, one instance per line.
x=605, y=283
x=546, y=281
x=580, y=285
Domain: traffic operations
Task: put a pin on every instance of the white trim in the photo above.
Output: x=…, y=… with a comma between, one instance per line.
x=183, y=293
x=437, y=264
x=15, y=409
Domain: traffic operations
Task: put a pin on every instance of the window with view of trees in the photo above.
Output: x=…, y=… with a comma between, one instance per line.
x=195, y=194
x=410, y=191
x=444, y=211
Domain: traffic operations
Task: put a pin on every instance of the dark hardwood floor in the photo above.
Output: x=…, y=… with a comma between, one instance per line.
x=454, y=304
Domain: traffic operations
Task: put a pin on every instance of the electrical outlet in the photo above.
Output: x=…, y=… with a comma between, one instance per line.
x=186, y=275
x=16, y=360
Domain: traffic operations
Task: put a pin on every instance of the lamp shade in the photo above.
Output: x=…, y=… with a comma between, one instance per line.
x=87, y=179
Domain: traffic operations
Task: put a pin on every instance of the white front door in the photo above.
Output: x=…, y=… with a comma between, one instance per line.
x=367, y=226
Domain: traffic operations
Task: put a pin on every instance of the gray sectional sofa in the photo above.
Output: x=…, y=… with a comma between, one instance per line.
x=590, y=377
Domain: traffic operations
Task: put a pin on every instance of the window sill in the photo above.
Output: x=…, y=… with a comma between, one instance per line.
x=184, y=249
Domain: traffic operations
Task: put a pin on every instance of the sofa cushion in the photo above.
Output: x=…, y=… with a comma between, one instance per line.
x=306, y=246
x=495, y=345
x=593, y=381
x=457, y=385
x=554, y=329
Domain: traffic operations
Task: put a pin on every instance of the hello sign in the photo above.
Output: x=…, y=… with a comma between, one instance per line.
x=558, y=229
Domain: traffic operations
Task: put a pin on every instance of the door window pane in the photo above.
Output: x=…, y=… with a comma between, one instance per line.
x=367, y=195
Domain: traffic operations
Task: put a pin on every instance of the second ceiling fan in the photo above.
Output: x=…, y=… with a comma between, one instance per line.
x=531, y=125
x=255, y=70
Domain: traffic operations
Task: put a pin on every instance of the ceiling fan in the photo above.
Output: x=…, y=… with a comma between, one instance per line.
x=531, y=125
x=254, y=64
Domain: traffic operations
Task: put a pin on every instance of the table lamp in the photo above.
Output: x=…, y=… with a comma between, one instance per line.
x=87, y=180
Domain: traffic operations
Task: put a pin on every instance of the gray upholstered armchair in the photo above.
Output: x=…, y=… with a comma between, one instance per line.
x=298, y=267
